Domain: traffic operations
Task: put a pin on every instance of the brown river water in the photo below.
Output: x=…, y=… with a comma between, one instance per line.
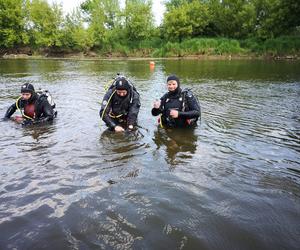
x=231, y=183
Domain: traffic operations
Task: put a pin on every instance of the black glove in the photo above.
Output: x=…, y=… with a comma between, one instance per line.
x=27, y=122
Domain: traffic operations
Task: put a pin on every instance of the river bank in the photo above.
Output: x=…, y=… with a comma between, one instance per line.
x=81, y=56
x=197, y=48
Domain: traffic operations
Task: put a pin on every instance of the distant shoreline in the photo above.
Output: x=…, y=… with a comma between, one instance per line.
x=80, y=56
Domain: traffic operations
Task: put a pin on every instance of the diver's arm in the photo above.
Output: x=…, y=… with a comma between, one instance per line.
x=158, y=111
x=105, y=109
x=193, y=108
x=10, y=111
x=134, y=110
x=47, y=112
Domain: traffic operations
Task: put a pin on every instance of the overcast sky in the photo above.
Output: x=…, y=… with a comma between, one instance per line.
x=157, y=8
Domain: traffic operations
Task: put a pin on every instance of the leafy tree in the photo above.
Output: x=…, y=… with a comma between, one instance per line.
x=102, y=16
x=233, y=18
x=276, y=17
x=185, y=18
x=75, y=36
x=176, y=23
x=199, y=16
x=138, y=20
x=45, y=23
x=12, y=23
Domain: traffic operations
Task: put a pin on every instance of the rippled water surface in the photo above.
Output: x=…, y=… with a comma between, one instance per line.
x=232, y=183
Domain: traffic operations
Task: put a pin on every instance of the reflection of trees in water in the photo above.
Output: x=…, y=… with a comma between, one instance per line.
x=122, y=154
x=287, y=181
x=195, y=70
x=14, y=67
x=40, y=148
x=180, y=144
x=39, y=131
x=132, y=69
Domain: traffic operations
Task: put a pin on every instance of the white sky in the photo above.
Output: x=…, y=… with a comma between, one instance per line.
x=157, y=7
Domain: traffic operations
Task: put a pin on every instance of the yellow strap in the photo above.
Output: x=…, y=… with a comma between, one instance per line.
x=115, y=116
x=26, y=116
x=107, y=104
x=108, y=84
x=160, y=121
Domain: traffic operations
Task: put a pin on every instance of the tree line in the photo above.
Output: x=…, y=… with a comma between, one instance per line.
x=102, y=25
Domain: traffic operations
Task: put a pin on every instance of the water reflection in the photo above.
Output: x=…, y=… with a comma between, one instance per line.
x=235, y=69
x=39, y=131
x=179, y=144
x=239, y=170
x=121, y=153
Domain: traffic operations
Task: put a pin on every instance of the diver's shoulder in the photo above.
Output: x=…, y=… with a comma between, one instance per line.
x=188, y=92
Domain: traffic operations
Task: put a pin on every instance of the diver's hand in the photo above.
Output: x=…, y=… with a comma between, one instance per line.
x=156, y=104
x=18, y=119
x=27, y=122
x=119, y=129
x=174, y=113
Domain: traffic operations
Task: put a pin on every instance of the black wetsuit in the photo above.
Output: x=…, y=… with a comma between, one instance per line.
x=185, y=103
x=120, y=110
x=43, y=111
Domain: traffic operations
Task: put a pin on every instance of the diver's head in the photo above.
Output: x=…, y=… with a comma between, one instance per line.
x=173, y=83
x=122, y=87
x=27, y=91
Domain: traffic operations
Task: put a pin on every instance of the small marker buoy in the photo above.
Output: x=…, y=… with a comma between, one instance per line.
x=152, y=65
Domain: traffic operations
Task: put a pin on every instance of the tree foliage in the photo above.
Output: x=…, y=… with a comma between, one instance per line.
x=138, y=19
x=106, y=25
x=45, y=24
x=12, y=23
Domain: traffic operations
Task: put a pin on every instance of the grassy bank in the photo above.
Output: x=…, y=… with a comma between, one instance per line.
x=277, y=47
x=283, y=47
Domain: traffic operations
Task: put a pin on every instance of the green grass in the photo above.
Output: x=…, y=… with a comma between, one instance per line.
x=200, y=46
x=281, y=46
x=285, y=45
x=156, y=47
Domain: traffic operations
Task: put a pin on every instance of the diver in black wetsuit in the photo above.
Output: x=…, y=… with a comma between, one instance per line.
x=120, y=106
x=178, y=108
x=34, y=108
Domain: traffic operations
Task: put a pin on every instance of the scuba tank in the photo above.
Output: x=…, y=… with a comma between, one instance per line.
x=114, y=81
x=41, y=93
x=112, y=84
x=45, y=93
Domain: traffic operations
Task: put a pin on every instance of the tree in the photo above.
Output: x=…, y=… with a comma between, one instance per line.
x=276, y=17
x=45, y=23
x=139, y=22
x=102, y=16
x=199, y=16
x=185, y=19
x=233, y=18
x=176, y=23
x=12, y=23
x=75, y=36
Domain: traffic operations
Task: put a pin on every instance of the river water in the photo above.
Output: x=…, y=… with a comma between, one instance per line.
x=232, y=183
